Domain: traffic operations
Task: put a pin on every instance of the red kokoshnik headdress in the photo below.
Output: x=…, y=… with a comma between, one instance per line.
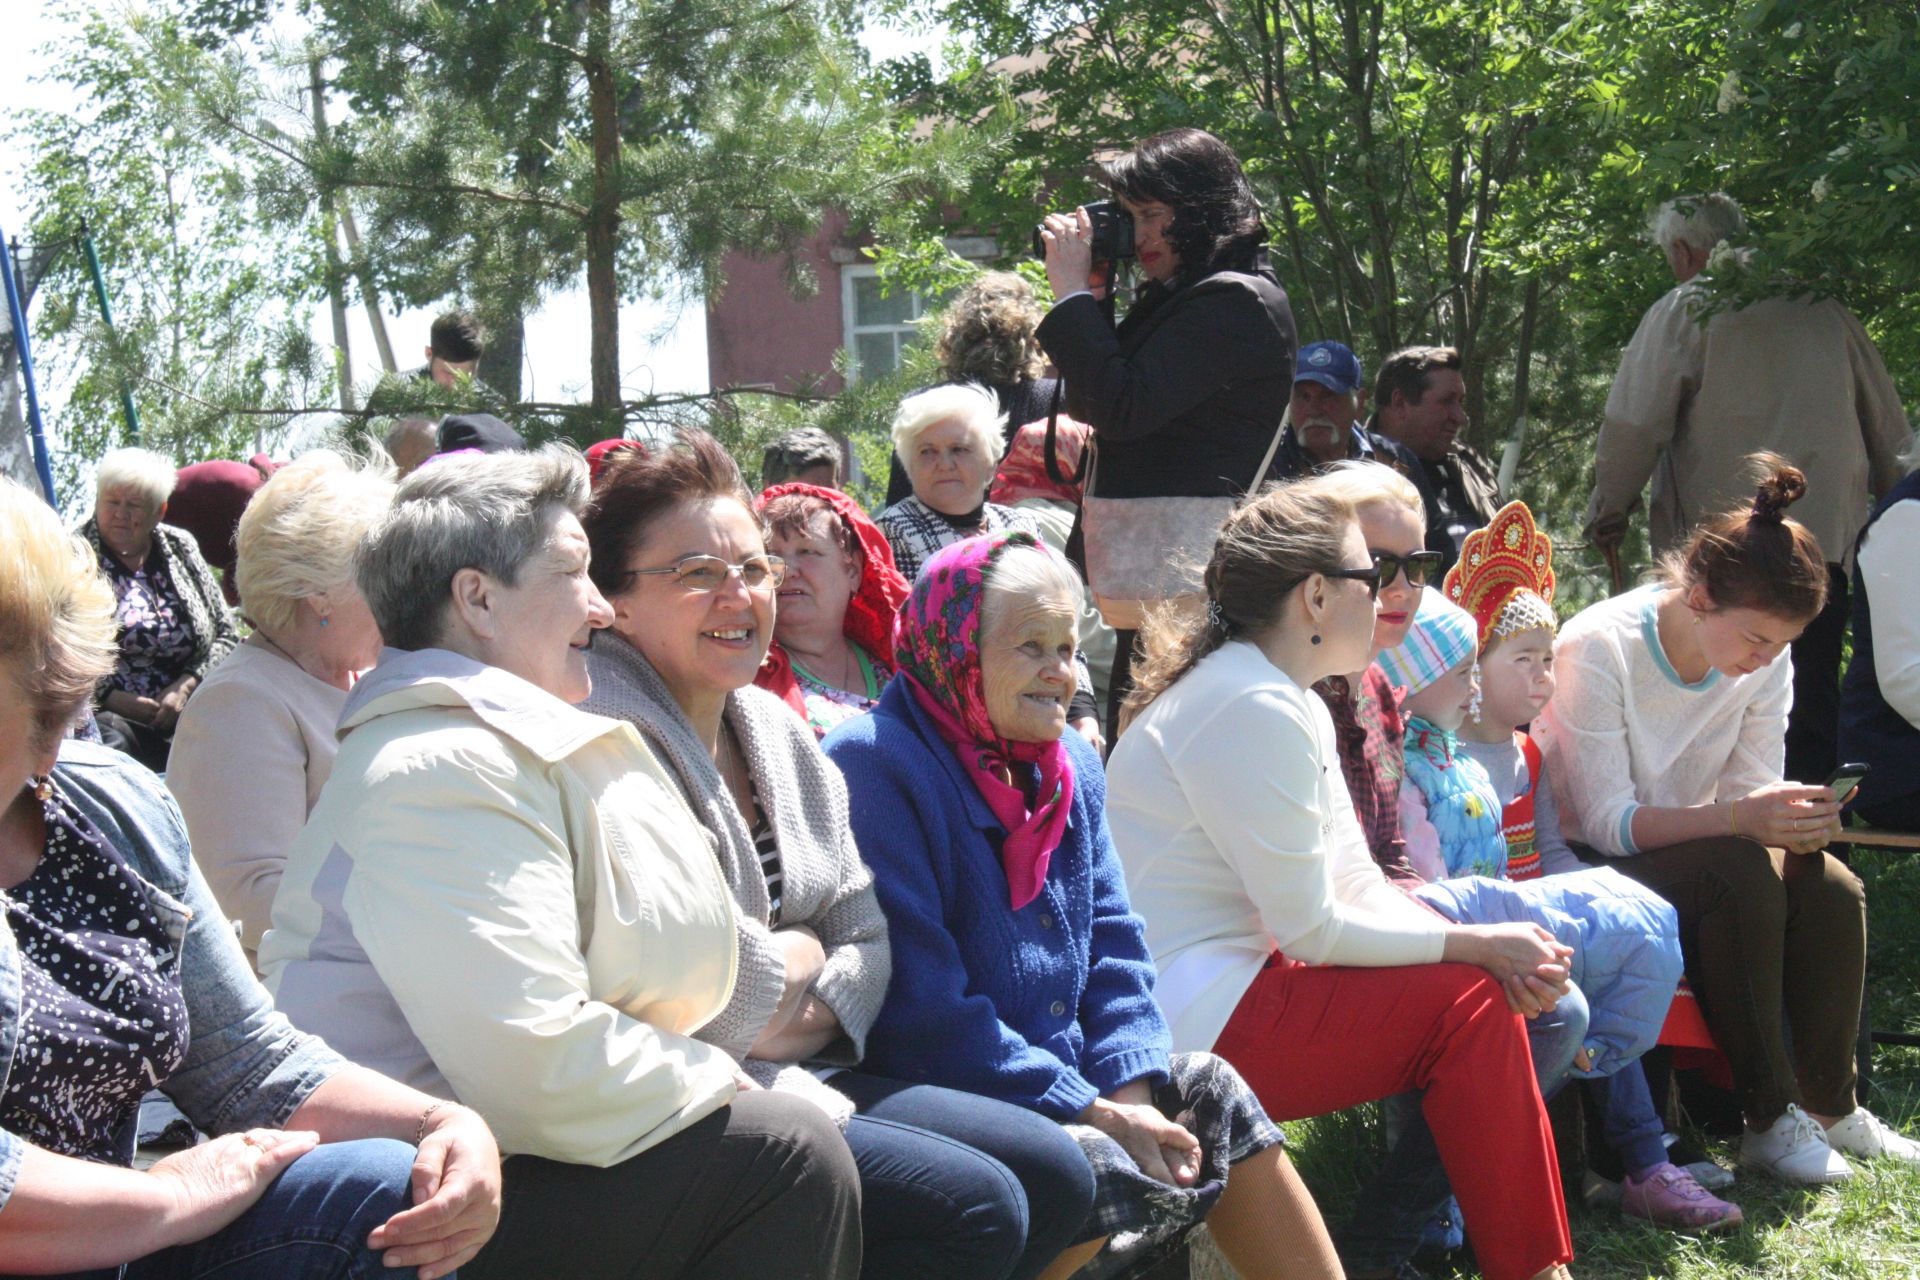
x=1504, y=576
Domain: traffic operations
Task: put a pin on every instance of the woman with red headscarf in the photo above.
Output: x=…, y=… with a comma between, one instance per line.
x=833, y=628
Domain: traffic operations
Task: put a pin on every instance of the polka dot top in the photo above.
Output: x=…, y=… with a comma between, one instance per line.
x=102, y=1017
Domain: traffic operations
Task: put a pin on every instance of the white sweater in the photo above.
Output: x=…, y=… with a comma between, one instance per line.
x=1886, y=560
x=1232, y=818
x=1623, y=730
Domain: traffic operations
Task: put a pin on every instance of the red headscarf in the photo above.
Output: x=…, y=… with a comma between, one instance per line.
x=873, y=614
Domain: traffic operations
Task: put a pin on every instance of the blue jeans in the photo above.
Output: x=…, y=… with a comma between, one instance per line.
x=1411, y=1186
x=957, y=1185
x=312, y=1223
x=1627, y=1118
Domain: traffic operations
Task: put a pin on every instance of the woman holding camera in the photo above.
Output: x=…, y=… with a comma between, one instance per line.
x=1185, y=394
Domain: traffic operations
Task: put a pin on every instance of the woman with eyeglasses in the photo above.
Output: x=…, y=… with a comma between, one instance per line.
x=952, y=1184
x=502, y=899
x=1281, y=946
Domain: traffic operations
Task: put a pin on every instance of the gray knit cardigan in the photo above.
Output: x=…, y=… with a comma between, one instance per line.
x=825, y=885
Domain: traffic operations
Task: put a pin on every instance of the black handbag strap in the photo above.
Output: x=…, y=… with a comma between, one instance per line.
x=1052, y=450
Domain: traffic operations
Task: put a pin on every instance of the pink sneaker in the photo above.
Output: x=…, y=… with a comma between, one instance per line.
x=1669, y=1196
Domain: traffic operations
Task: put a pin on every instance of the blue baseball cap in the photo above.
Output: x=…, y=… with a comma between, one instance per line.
x=1331, y=364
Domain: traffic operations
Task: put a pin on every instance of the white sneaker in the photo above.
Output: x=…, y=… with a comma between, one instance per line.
x=1795, y=1150
x=1865, y=1135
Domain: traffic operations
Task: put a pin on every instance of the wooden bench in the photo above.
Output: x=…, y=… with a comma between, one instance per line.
x=1873, y=838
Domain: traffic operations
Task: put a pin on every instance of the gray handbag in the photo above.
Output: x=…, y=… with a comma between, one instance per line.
x=1142, y=552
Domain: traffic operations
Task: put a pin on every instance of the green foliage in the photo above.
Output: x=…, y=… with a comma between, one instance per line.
x=1422, y=164
x=210, y=309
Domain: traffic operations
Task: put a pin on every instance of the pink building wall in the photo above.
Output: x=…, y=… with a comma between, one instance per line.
x=759, y=334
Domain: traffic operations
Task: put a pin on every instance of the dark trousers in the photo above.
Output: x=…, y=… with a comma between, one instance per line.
x=1813, y=726
x=1120, y=683
x=764, y=1187
x=1764, y=931
x=148, y=745
x=957, y=1185
x=1902, y=814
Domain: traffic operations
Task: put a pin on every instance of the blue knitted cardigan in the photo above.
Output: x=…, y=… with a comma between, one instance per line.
x=1047, y=1007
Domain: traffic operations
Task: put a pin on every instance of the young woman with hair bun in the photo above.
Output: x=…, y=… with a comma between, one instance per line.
x=1666, y=743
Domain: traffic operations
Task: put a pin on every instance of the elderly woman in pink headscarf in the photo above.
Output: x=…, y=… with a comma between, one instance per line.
x=1020, y=970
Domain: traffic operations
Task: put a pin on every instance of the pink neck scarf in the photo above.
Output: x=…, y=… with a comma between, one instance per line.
x=938, y=652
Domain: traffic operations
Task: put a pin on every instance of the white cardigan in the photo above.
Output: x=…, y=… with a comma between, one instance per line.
x=1624, y=730
x=1232, y=818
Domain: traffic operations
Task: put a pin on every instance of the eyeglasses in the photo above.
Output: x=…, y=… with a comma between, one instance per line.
x=1419, y=566
x=1371, y=575
x=709, y=573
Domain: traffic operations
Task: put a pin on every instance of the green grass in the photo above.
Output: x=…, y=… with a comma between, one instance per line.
x=1869, y=1227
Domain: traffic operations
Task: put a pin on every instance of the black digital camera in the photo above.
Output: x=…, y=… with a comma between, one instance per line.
x=1112, y=232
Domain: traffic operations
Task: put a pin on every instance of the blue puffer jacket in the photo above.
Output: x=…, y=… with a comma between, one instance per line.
x=1625, y=940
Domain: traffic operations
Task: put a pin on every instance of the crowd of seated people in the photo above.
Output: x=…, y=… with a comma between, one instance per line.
x=586, y=866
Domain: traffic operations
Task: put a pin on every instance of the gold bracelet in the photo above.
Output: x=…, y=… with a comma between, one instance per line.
x=420, y=1134
x=1733, y=817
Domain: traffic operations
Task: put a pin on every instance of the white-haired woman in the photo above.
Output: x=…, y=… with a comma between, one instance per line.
x=950, y=439
x=504, y=898
x=257, y=742
x=174, y=621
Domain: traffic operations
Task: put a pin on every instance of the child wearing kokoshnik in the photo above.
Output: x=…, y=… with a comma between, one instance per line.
x=1504, y=580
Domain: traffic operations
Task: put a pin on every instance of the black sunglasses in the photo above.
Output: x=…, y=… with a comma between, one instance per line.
x=1371, y=575
x=1419, y=566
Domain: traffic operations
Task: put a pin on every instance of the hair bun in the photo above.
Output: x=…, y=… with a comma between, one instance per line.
x=1782, y=485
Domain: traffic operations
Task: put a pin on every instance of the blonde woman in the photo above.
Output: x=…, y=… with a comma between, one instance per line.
x=257, y=743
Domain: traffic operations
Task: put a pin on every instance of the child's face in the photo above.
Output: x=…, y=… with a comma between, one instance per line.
x=1443, y=704
x=1516, y=678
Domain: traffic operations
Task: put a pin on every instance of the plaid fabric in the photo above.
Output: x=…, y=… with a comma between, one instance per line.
x=1135, y=1212
x=916, y=531
x=1371, y=733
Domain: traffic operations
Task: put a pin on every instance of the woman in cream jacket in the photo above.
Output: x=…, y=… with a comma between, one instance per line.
x=502, y=899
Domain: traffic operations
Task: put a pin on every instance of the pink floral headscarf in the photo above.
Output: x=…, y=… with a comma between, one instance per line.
x=938, y=654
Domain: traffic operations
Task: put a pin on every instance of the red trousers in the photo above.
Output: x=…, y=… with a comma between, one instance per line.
x=1314, y=1040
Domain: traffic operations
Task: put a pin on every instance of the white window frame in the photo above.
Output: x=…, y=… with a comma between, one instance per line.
x=849, y=330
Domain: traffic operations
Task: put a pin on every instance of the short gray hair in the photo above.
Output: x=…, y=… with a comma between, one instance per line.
x=488, y=512
x=1026, y=573
x=1700, y=221
x=149, y=474
x=968, y=403
x=301, y=530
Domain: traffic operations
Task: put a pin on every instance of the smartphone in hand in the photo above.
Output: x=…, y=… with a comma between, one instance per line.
x=1846, y=779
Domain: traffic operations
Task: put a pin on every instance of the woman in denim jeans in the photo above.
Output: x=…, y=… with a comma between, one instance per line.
x=118, y=973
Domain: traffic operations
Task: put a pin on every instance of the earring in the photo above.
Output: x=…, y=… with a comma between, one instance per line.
x=1316, y=637
x=325, y=621
x=42, y=786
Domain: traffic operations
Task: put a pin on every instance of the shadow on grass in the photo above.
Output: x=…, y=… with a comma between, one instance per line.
x=1867, y=1228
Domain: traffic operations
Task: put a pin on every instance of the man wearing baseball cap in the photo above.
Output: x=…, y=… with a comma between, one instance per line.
x=1323, y=417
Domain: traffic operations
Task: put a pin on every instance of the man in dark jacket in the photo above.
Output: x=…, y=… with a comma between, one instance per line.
x=1323, y=417
x=1420, y=399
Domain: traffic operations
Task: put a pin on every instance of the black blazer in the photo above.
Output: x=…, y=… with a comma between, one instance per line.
x=1184, y=397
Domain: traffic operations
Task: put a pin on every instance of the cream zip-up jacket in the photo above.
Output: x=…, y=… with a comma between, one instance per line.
x=502, y=899
x=1691, y=401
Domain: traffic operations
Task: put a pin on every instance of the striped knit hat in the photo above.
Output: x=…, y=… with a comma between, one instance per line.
x=1443, y=636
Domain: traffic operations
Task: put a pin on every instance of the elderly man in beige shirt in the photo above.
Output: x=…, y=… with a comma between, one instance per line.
x=1795, y=376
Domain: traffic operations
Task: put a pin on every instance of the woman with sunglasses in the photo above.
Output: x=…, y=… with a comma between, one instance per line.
x=952, y=1184
x=1280, y=944
x=1367, y=724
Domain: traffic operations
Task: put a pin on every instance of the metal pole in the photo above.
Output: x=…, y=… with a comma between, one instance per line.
x=106, y=314
x=17, y=313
